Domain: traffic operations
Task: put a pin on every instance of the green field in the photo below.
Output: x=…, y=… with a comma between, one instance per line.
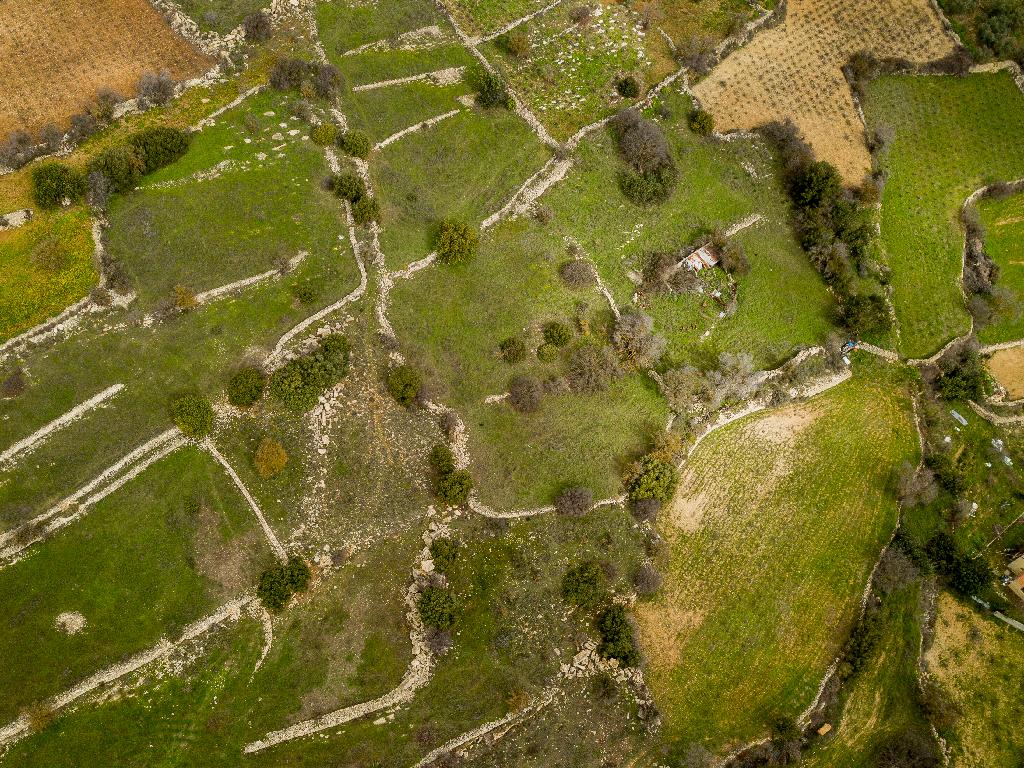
x=953, y=135
x=47, y=265
x=161, y=552
x=1003, y=221
x=779, y=519
x=978, y=662
x=257, y=213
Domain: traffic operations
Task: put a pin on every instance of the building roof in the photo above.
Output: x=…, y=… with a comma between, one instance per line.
x=704, y=256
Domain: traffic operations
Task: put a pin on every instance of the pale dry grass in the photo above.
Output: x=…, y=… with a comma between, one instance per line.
x=56, y=54
x=795, y=71
x=1007, y=366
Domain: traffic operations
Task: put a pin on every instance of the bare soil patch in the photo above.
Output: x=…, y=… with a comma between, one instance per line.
x=795, y=71
x=56, y=54
x=1007, y=366
x=70, y=622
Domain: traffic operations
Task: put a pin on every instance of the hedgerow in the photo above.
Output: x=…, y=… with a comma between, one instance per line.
x=158, y=146
x=451, y=485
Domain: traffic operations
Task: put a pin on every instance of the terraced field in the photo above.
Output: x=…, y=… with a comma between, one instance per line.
x=1003, y=221
x=778, y=520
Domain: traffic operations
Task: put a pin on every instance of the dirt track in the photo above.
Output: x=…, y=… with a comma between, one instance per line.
x=795, y=71
x=56, y=54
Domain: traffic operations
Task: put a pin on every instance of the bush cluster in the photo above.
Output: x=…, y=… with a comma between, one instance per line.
x=635, y=340
x=591, y=368
x=557, y=333
x=324, y=134
x=290, y=74
x=156, y=88
x=628, y=87
x=966, y=380
x=525, y=393
x=584, y=585
x=405, y=383
x=702, y=122
x=270, y=457
x=575, y=501
x=52, y=183
x=300, y=382
x=158, y=146
x=451, y=485
x=278, y=583
x=652, y=478
x=967, y=574
x=513, y=349
x=652, y=173
x=257, y=27
x=350, y=186
x=444, y=552
x=578, y=273
x=192, y=414
x=355, y=143
x=456, y=242
x=246, y=386
x=437, y=607
x=617, y=637
x=491, y=91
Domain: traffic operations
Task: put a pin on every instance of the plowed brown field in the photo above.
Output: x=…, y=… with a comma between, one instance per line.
x=795, y=71
x=56, y=54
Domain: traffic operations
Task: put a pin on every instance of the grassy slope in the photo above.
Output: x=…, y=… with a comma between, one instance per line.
x=881, y=699
x=338, y=646
x=759, y=595
x=980, y=663
x=130, y=567
x=1003, y=221
x=220, y=16
x=953, y=135
x=465, y=167
x=46, y=265
x=255, y=216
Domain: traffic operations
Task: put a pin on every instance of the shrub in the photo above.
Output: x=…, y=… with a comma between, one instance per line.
x=50, y=136
x=584, y=585
x=18, y=149
x=628, y=87
x=640, y=142
x=257, y=27
x=557, y=334
x=193, y=415
x=864, y=313
x=652, y=478
x=635, y=340
x=443, y=552
x=456, y=243
x=185, y=298
x=83, y=126
x=967, y=381
x=578, y=273
x=349, y=186
x=270, y=457
x=513, y=349
x=646, y=580
x=156, y=88
x=646, y=510
x=702, y=123
x=591, y=368
x=39, y=716
x=278, y=583
x=288, y=73
x=575, y=501
x=436, y=607
x=441, y=459
x=301, y=381
x=365, y=210
x=355, y=143
x=14, y=384
x=547, y=353
x=245, y=387
x=515, y=43
x=326, y=80
x=454, y=488
x=525, y=393
x=733, y=259
x=649, y=188
x=492, y=92
x=159, y=146
x=324, y=134
x=405, y=384
x=122, y=165
x=617, y=636
x=53, y=182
